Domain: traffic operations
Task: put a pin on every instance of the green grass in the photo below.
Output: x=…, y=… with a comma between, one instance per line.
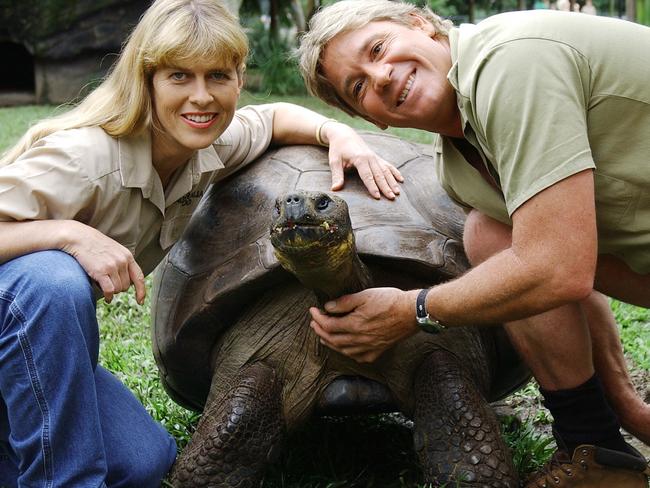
x=635, y=332
x=328, y=452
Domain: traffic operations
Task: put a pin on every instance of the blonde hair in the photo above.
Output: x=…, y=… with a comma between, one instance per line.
x=170, y=31
x=345, y=16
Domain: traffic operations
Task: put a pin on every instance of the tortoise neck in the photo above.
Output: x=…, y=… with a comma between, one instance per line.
x=330, y=276
x=352, y=277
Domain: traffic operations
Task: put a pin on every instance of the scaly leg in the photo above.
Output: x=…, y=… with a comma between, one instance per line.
x=241, y=430
x=457, y=436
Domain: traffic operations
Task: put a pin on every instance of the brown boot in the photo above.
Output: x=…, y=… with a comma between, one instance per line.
x=592, y=467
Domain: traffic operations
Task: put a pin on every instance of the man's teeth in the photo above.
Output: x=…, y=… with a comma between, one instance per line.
x=407, y=88
x=200, y=119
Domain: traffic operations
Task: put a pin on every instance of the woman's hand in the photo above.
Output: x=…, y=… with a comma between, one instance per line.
x=106, y=261
x=347, y=150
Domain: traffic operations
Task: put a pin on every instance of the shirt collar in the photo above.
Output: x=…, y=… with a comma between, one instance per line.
x=137, y=171
x=204, y=161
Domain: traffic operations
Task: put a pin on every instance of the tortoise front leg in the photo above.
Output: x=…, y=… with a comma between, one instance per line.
x=240, y=431
x=457, y=436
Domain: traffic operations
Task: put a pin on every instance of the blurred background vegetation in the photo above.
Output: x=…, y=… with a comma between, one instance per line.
x=274, y=27
x=58, y=49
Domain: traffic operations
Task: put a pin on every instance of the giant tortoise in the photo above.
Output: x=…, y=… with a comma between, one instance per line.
x=231, y=330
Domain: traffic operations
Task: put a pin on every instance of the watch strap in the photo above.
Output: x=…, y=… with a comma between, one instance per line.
x=424, y=320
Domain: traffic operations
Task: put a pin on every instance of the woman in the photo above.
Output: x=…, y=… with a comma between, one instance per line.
x=96, y=197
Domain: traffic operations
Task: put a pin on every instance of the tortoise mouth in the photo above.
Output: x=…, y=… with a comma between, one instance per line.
x=299, y=236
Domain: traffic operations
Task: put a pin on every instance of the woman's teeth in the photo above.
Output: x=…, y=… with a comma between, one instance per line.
x=200, y=119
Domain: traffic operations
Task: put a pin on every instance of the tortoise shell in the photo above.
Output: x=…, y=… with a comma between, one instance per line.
x=224, y=257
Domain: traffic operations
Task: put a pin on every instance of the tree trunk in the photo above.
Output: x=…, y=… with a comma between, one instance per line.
x=273, y=13
x=522, y=5
x=310, y=9
x=630, y=10
x=298, y=15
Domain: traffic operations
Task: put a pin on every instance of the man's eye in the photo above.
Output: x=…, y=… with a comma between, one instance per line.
x=219, y=75
x=178, y=76
x=356, y=89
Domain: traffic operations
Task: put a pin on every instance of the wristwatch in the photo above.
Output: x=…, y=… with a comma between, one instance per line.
x=425, y=321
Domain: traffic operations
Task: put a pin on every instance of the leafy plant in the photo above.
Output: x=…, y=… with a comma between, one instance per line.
x=530, y=448
x=272, y=62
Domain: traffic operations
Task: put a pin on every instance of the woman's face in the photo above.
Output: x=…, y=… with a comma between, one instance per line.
x=193, y=104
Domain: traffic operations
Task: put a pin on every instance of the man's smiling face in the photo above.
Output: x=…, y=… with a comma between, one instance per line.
x=395, y=75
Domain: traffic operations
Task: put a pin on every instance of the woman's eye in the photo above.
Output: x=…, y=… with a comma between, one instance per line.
x=178, y=76
x=376, y=49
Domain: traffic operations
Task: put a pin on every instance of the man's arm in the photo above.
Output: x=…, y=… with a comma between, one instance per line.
x=551, y=262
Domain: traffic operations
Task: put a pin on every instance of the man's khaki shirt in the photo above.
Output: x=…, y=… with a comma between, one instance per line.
x=110, y=183
x=544, y=95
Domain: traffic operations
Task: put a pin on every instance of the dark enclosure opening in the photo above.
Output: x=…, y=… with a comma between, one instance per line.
x=19, y=68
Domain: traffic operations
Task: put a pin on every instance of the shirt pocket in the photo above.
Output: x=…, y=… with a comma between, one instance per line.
x=615, y=202
x=173, y=226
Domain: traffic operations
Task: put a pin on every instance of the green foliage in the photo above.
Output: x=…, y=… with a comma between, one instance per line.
x=643, y=11
x=125, y=349
x=36, y=19
x=635, y=331
x=272, y=62
x=530, y=448
x=14, y=121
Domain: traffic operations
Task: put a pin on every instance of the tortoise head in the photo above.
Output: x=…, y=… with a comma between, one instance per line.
x=312, y=236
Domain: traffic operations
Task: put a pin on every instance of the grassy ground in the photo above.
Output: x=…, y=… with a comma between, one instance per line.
x=327, y=453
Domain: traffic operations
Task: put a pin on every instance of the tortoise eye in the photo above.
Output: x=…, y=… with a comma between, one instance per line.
x=323, y=203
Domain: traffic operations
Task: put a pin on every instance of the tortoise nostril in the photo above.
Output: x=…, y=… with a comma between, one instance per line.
x=293, y=199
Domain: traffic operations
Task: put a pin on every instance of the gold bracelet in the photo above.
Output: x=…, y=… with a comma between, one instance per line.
x=319, y=140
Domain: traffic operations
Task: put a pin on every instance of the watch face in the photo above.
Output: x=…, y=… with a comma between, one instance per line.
x=430, y=326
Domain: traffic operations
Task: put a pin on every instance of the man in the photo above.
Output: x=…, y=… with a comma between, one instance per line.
x=544, y=123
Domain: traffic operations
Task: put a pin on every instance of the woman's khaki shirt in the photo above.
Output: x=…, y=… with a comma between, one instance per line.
x=110, y=183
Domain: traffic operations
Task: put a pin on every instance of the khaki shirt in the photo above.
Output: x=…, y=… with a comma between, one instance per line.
x=544, y=95
x=110, y=183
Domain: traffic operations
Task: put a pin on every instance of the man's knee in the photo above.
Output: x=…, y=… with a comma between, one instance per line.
x=483, y=237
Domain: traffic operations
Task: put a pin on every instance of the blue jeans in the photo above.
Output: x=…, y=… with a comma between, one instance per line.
x=64, y=420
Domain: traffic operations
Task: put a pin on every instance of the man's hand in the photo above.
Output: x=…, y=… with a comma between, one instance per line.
x=106, y=261
x=374, y=320
x=348, y=150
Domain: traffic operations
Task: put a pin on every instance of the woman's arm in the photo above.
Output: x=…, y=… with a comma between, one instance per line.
x=107, y=262
x=293, y=124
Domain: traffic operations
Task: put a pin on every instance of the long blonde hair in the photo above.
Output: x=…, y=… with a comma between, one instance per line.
x=346, y=16
x=170, y=31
